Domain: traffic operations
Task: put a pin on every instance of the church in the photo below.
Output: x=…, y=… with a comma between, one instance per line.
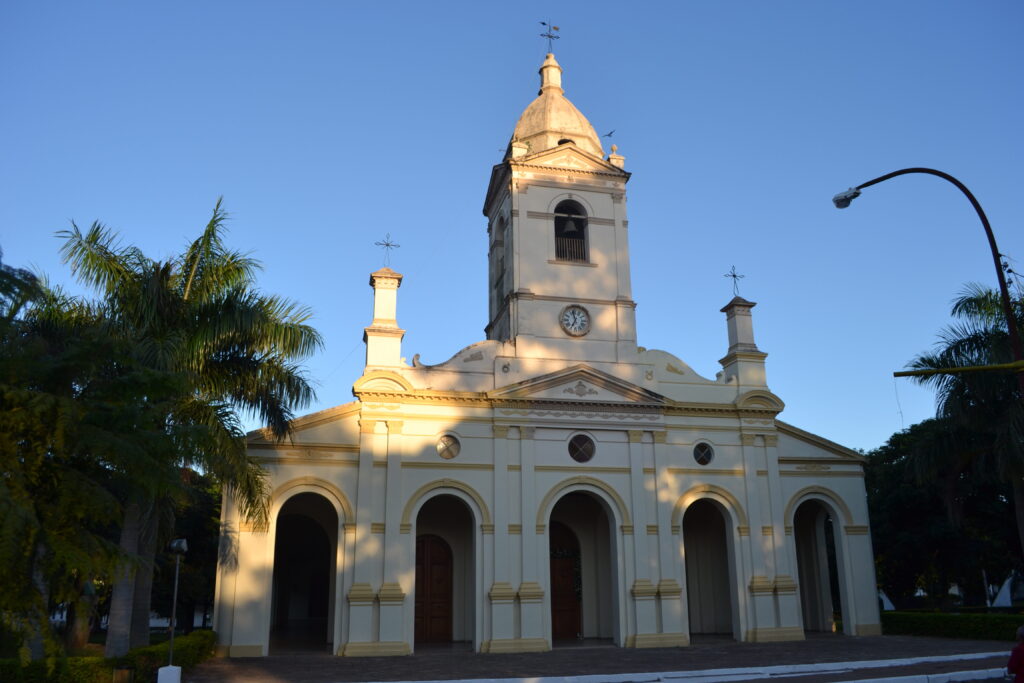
x=555, y=482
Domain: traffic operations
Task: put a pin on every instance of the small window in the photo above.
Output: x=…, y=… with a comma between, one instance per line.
x=581, y=448
x=448, y=446
x=565, y=140
x=570, y=232
x=703, y=453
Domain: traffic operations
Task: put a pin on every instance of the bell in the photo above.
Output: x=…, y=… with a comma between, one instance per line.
x=569, y=227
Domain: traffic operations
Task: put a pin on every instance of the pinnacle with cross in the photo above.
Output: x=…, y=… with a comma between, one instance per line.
x=387, y=245
x=736, y=277
x=549, y=34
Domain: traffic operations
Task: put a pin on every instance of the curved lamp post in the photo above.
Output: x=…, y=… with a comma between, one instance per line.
x=843, y=199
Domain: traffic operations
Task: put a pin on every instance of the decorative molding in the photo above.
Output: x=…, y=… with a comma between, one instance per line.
x=530, y=591
x=377, y=527
x=856, y=529
x=612, y=496
x=635, y=435
x=784, y=584
x=349, y=528
x=500, y=431
x=405, y=528
x=527, y=432
x=652, y=529
x=320, y=486
x=743, y=530
x=789, y=530
x=501, y=591
x=820, y=493
x=390, y=594
x=581, y=466
x=649, y=470
x=541, y=528
x=446, y=465
x=749, y=439
x=760, y=585
x=677, y=529
x=716, y=493
x=395, y=426
x=669, y=588
x=626, y=529
x=643, y=589
x=487, y=529
x=767, y=531
x=446, y=484
x=659, y=437
x=734, y=472
x=771, y=440
x=837, y=473
x=361, y=594
x=515, y=529
x=367, y=426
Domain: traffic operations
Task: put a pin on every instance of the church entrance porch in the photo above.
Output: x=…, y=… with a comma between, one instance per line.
x=581, y=571
x=710, y=570
x=818, y=567
x=445, y=570
x=302, y=599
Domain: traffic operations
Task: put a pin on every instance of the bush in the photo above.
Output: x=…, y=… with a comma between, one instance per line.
x=189, y=651
x=945, y=625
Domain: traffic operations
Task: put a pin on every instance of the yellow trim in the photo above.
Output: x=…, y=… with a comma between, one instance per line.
x=568, y=468
x=774, y=635
x=245, y=651
x=644, y=640
x=542, y=510
x=445, y=484
x=713, y=492
x=512, y=645
x=385, y=649
x=856, y=529
x=868, y=629
x=734, y=472
x=402, y=382
x=447, y=465
x=329, y=491
x=817, y=492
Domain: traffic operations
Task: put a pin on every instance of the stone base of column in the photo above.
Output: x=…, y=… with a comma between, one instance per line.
x=774, y=635
x=515, y=645
x=376, y=649
x=643, y=640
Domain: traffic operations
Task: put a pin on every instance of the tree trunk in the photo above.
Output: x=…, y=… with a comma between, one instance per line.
x=1018, y=507
x=143, y=596
x=80, y=613
x=120, y=621
x=40, y=617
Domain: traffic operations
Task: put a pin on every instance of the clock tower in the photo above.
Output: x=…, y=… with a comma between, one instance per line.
x=558, y=237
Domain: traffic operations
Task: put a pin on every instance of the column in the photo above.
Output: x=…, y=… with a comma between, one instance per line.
x=501, y=594
x=530, y=593
x=392, y=594
x=674, y=626
x=643, y=591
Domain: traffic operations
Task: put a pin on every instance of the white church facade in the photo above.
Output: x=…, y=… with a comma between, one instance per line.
x=556, y=481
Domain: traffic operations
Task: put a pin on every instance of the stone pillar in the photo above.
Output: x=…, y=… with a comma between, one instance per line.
x=392, y=594
x=744, y=360
x=674, y=626
x=501, y=595
x=531, y=592
x=644, y=593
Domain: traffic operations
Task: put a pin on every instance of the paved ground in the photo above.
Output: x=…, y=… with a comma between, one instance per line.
x=706, y=653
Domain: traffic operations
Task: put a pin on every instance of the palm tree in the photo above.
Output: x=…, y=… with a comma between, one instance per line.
x=236, y=349
x=987, y=404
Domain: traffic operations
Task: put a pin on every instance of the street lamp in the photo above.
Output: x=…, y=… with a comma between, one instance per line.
x=843, y=199
x=171, y=673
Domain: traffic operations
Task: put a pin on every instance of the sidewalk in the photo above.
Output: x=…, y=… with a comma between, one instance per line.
x=707, y=659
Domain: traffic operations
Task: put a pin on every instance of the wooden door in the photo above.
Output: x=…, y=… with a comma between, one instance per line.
x=566, y=584
x=433, y=590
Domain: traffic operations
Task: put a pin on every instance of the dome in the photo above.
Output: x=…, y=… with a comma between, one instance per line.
x=551, y=119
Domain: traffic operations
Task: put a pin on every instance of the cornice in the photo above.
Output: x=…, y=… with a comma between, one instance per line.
x=796, y=432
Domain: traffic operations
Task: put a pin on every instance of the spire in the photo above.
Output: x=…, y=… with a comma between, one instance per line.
x=550, y=75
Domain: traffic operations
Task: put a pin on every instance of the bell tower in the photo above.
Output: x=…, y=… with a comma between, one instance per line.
x=558, y=237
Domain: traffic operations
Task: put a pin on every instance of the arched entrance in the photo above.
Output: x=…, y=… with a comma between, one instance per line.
x=302, y=599
x=710, y=571
x=445, y=572
x=582, y=570
x=817, y=563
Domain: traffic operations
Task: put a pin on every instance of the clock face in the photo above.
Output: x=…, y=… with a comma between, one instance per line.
x=575, y=320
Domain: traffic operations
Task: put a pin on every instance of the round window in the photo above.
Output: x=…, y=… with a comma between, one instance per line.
x=703, y=453
x=581, y=448
x=448, y=446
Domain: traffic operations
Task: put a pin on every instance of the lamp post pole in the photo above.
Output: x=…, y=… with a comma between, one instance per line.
x=843, y=199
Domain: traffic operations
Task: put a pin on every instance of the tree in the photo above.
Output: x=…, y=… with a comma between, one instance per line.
x=985, y=405
x=199, y=317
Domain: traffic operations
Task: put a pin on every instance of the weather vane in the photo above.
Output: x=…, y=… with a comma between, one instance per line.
x=387, y=245
x=736, y=277
x=549, y=35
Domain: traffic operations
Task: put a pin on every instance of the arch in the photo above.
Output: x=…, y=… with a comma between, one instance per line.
x=382, y=380
x=571, y=232
x=328, y=490
x=543, y=510
x=717, y=493
x=421, y=492
x=760, y=399
x=819, y=493
x=570, y=197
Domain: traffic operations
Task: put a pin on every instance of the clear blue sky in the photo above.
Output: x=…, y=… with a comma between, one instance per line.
x=327, y=124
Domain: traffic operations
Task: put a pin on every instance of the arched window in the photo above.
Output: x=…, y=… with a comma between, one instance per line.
x=570, y=232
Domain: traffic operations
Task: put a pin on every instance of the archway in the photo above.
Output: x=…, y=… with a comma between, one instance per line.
x=582, y=570
x=302, y=599
x=818, y=565
x=710, y=569
x=445, y=607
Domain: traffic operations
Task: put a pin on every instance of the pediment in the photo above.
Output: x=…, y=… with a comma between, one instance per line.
x=571, y=157
x=579, y=383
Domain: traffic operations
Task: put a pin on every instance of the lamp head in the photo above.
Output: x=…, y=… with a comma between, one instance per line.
x=178, y=546
x=843, y=199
